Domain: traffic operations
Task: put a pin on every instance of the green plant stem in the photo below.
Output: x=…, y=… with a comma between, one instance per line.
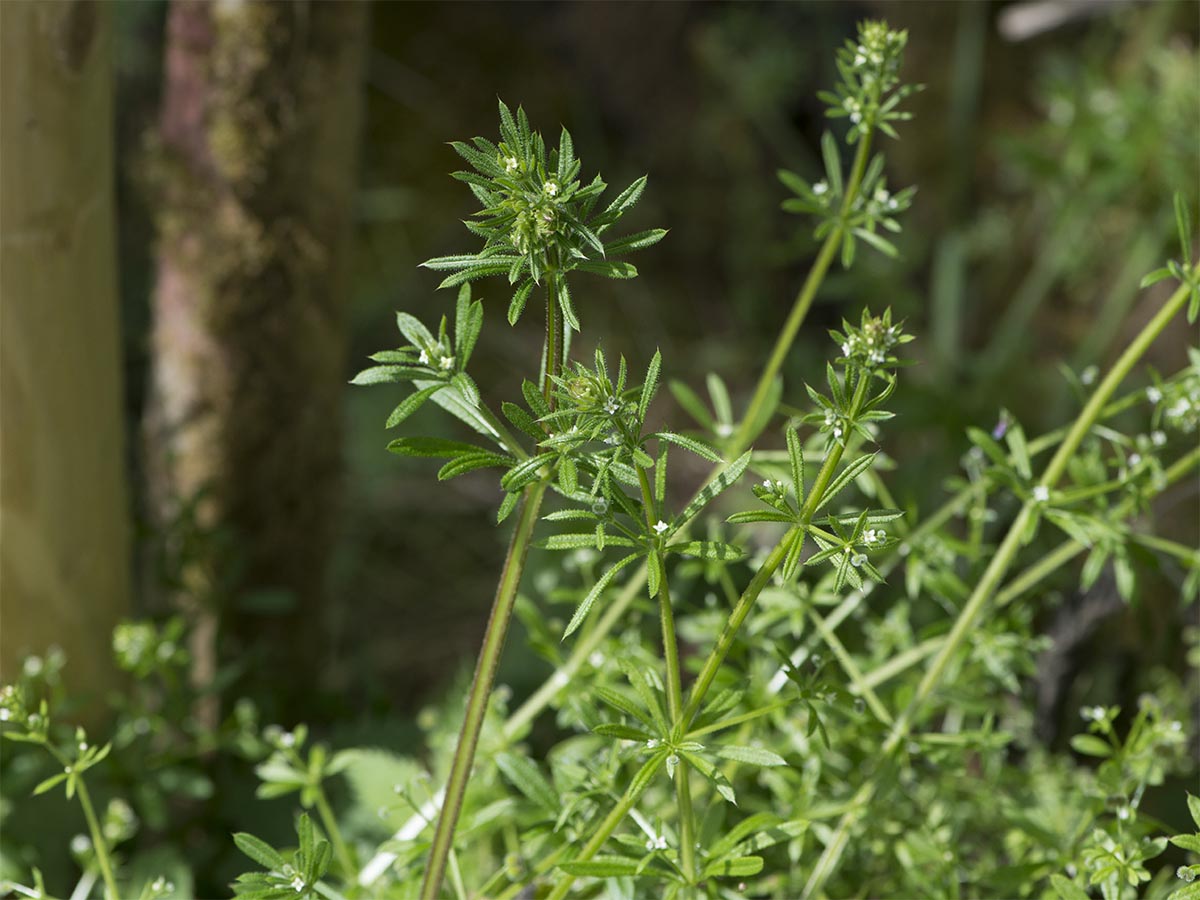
x=683, y=794
x=973, y=610
x=551, y=351
x=481, y=688
x=510, y=443
x=763, y=576
x=98, y=841
x=804, y=299
x=603, y=831
x=335, y=835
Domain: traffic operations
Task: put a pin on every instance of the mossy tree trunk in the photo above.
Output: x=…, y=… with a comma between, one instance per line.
x=258, y=148
x=64, y=535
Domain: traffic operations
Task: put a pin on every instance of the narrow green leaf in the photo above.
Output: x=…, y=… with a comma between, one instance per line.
x=714, y=488
x=387, y=375
x=690, y=444
x=432, y=448
x=414, y=331
x=631, y=242
x=601, y=867
x=847, y=475
x=623, y=732
x=1091, y=745
x=833, y=164
x=735, y=867
x=795, y=451
x=715, y=550
x=650, y=386
x=259, y=851
x=517, y=304
x=597, y=589
x=752, y=756
x=608, y=268
x=471, y=462
x=49, y=783
x=411, y=404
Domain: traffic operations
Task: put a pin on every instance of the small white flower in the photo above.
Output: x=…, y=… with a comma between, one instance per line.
x=1177, y=726
x=767, y=484
x=724, y=429
x=1153, y=394
x=33, y=666
x=652, y=743
x=820, y=188
x=5, y=715
x=550, y=188
x=846, y=348
x=1088, y=375
x=611, y=406
x=510, y=164
x=447, y=362
x=298, y=884
x=870, y=536
x=1135, y=458
x=661, y=526
x=656, y=842
x=1123, y=813
x=287, y=739
x=837, y=433
x=1158, y=438
x=423, y=359
x=1041, y=493
x=80, y=844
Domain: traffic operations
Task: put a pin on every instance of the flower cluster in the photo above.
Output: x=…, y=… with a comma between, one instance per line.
x=537, y=216
x=870, y=90
x=871, y=344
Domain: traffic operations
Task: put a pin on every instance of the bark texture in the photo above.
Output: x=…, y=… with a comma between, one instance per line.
x=259, y=129
x=64, y=536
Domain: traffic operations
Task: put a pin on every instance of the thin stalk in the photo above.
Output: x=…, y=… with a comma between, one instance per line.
x=1005, y=554
x=602, y=833
x=683, y=794
x=551, y=366
x=481, y=688
x=762, y=577
x=804, y=299
x=335, y=834
x=98, y=841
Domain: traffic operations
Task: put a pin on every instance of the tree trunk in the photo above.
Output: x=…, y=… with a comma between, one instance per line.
x=259, y=134
x=64, y=551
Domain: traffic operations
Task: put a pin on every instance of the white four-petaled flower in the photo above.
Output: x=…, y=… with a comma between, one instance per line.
x=661, y=526
x=1041, y=493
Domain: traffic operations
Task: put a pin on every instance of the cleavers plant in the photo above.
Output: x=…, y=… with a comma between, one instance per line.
x=744, y=704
